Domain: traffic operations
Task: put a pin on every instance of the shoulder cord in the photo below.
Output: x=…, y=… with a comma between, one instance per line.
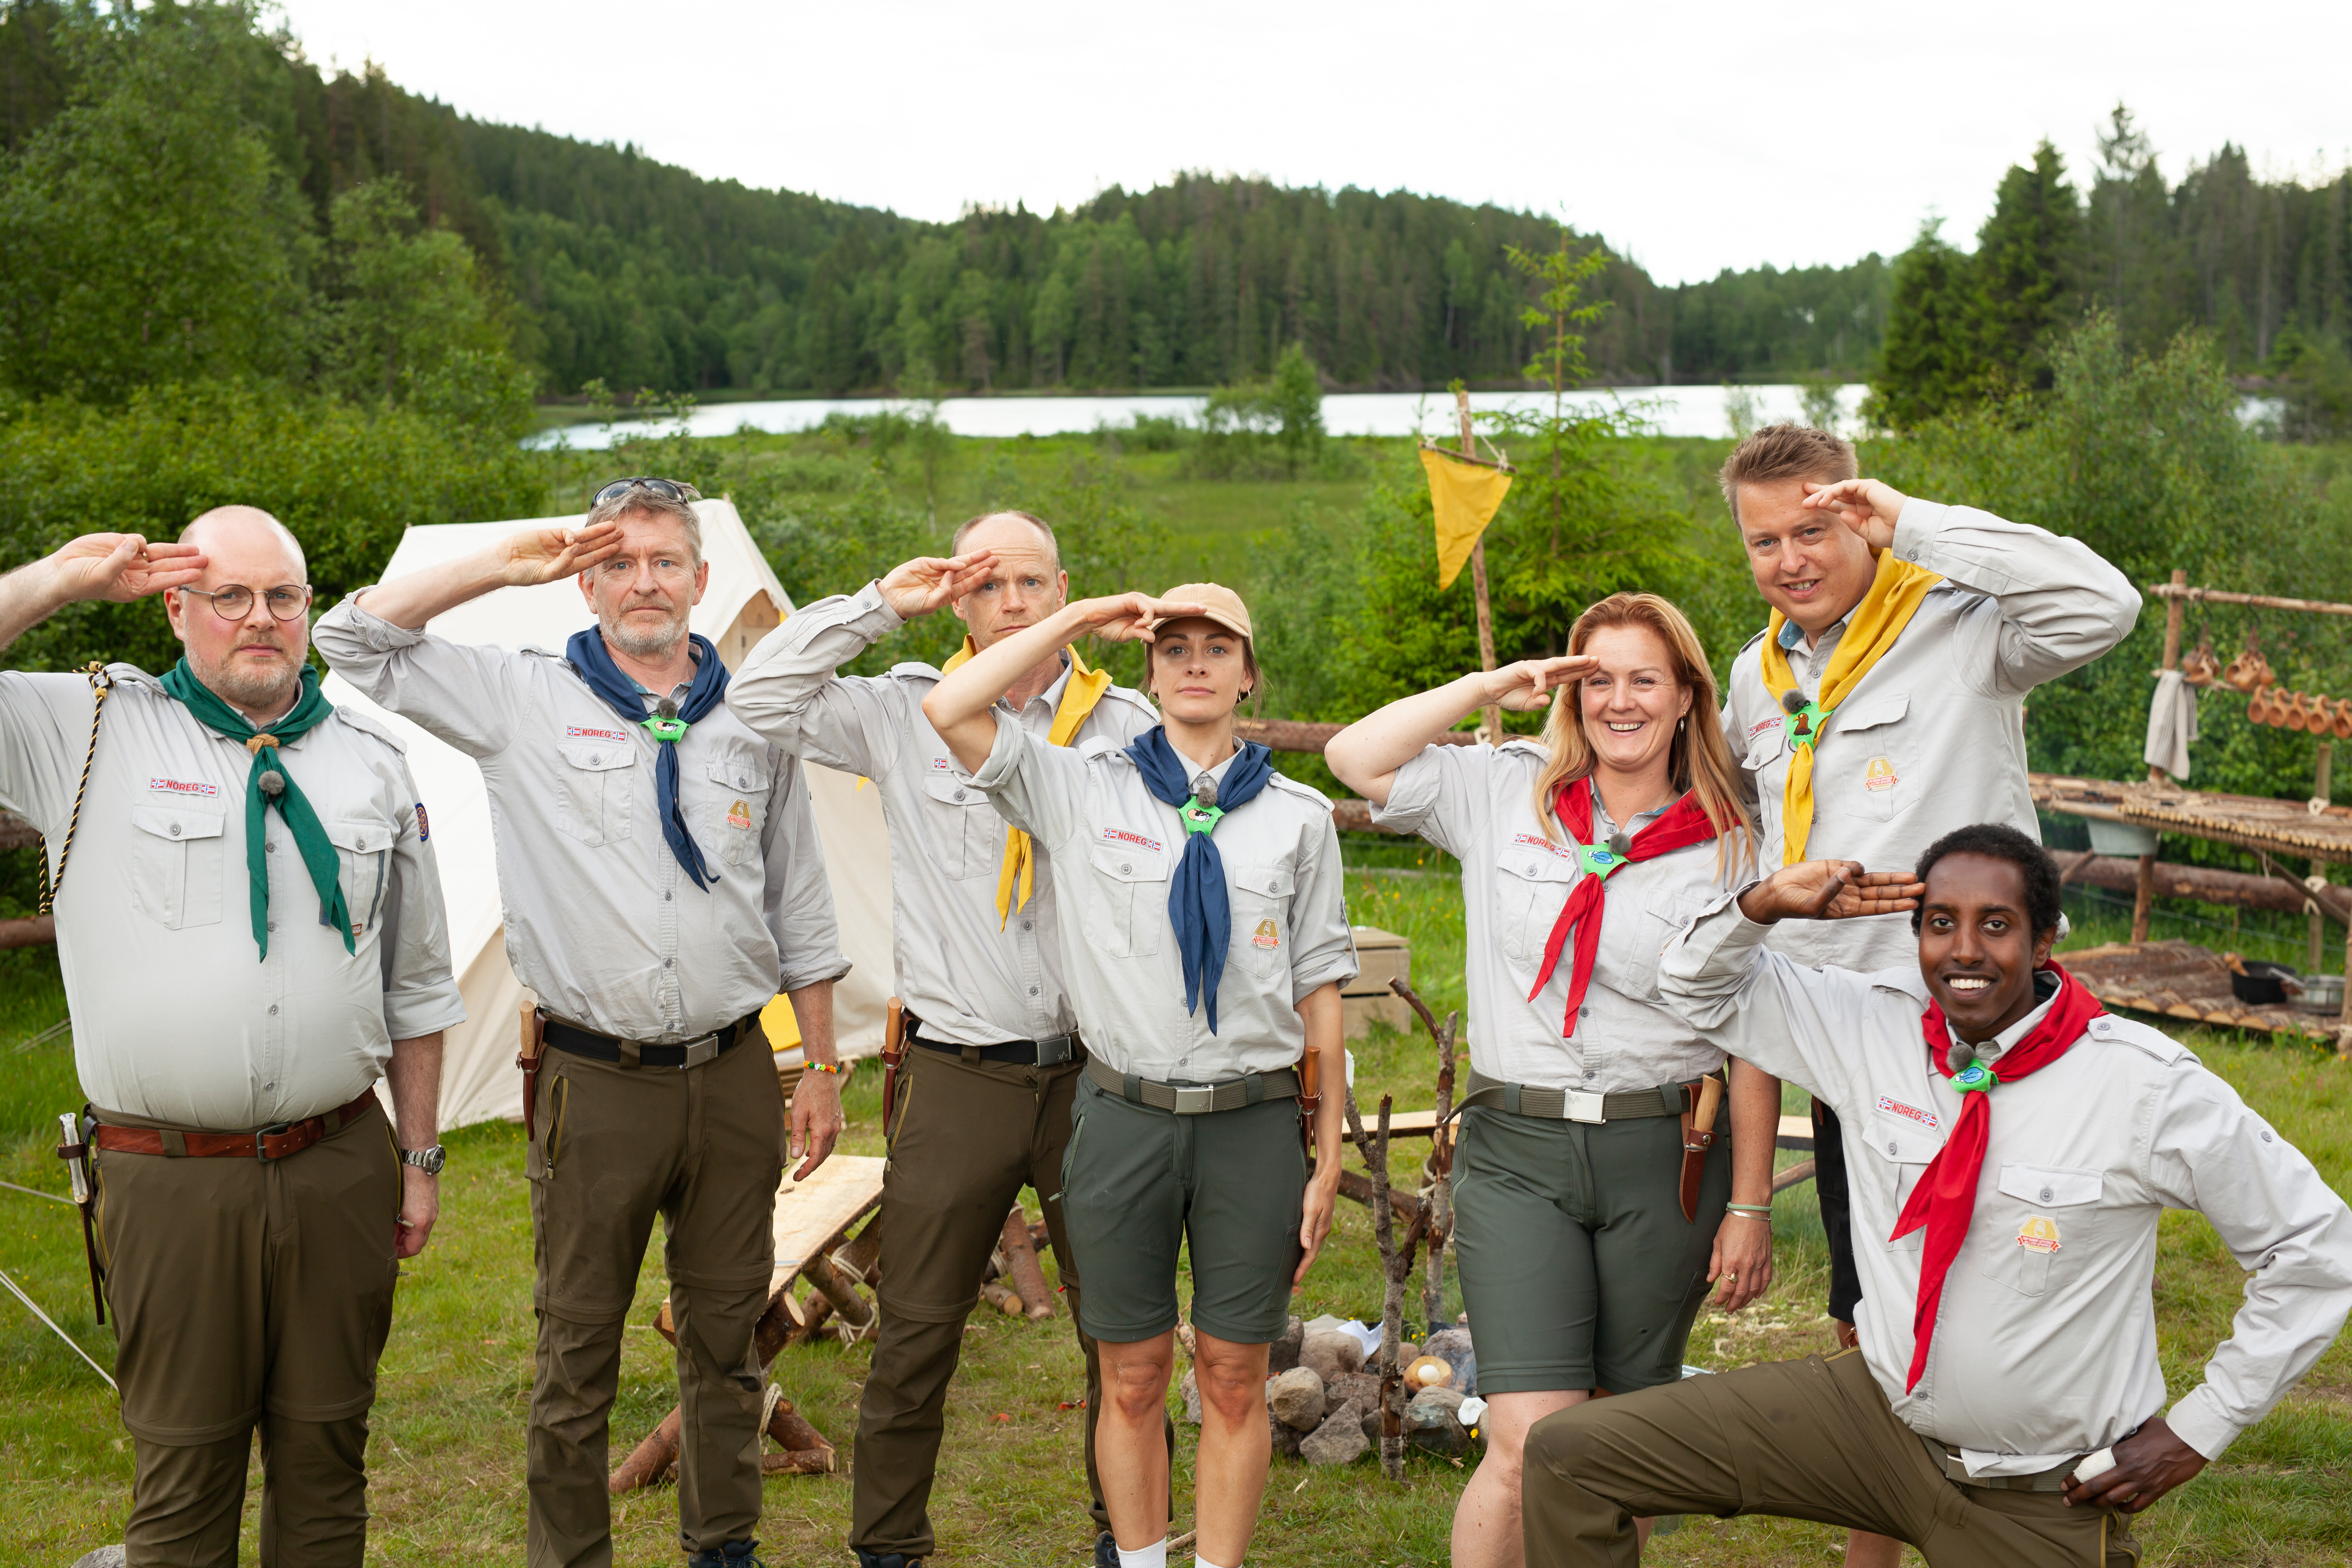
x=99, y=684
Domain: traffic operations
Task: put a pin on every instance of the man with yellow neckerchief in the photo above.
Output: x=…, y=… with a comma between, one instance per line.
x=1883, y=706
x=984, y=1107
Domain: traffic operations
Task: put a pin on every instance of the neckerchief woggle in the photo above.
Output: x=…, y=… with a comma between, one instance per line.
x=1895, y=595
x=1681, y=825
x=1080, y=695
x=1945, y=1198
x=1198, y=904
x=269, y=785
x=589, y=656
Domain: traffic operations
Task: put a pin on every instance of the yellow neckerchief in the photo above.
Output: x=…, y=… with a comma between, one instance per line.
x=1895, y=595
x=1079, y=699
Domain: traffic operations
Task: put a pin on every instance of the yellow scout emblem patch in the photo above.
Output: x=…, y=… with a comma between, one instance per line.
x=2038, y=1234
x=738, y=815
x=1265, y=935
x=1880, y=776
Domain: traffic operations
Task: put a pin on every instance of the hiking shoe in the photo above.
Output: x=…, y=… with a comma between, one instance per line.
x=1106, y=1551
x=885, y=1559
x=734, y=1554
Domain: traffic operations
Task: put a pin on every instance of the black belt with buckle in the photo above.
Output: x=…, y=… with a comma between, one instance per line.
x=579, y=1042
x=1050, y=1052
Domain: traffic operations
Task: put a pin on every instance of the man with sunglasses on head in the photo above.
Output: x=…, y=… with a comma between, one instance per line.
x=250, y=927
x=662, y=881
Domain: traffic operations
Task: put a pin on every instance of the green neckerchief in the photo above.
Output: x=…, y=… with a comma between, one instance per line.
x=270, y=785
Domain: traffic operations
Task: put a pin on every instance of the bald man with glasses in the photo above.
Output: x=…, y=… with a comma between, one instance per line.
x=250, y=927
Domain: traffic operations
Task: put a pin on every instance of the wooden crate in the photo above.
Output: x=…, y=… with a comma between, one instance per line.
x=1384, y=955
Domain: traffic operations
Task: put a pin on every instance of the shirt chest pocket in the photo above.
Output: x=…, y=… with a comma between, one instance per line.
x=1531, y=887
x=176, y=865
x=592, y=786
x=736, y=812
x=1903, y=1148
x=967, y=836
x=1260, y=899
x=1876, y=757
x=1127, y=889
x=2042, y=1212
x=1637, y=925
x=364, y=846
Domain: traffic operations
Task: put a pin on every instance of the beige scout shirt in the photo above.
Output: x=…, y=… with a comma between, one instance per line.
x=1478, y=804
x=971, y=977
x=1934, y=737
x=601, y=919
x=1117, y=845
x=2045, y=1347
x=177, y=1017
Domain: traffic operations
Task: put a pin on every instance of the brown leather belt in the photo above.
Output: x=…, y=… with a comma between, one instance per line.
x=275, y=1142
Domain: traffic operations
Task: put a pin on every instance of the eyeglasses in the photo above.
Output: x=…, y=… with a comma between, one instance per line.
x=287, y=602
x=669, y=489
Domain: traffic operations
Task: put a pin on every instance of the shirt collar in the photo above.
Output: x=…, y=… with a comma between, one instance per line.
x=2045, y=986
x=1792, y=636
x=1052, y=695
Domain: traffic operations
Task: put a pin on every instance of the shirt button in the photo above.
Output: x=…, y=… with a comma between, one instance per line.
x=596, y=758
x=175, y=830
x=1027, y=925
x=959, y=794
x=270, y=1086
x=1125, y=869
x=667, y=961
x=1890, y=1147
x=269, y=849
x=272, y=925
x=1032, y=991
x=273, y=1009
x=2045, y=1195
x=2267, y=1134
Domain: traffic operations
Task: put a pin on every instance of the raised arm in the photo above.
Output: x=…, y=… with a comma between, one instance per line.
x=1366, y=754
x=523, y=559
x=2060, y=605
x=787, y=690
x=958, y=707
x=117, y=566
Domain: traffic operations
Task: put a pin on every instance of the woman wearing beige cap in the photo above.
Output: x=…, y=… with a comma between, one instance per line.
x=1593, y=1202
x=1204, y=934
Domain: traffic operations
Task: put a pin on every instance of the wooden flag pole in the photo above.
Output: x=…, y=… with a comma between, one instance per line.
x=1491, y=729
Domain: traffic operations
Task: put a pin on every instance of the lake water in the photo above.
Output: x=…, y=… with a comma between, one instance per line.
x=1669, y=410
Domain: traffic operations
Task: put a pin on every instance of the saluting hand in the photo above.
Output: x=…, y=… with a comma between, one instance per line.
x=536, y=555
x=1526, y=686
x=121, y=567
x=920, y=586
x=1869, y=507
x=1830, y=890
x=1129, y=617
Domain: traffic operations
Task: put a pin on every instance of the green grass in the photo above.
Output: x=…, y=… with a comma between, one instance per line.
x=446, y=1455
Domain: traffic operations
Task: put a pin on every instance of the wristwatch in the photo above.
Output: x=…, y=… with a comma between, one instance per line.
x=428, y=1161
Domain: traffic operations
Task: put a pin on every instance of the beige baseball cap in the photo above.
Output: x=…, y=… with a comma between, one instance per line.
x=1217, y=601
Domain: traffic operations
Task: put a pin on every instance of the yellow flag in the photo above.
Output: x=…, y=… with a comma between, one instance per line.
x=1465, y=497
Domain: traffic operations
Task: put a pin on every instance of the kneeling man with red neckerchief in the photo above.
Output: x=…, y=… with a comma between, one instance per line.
x=2010, y=1145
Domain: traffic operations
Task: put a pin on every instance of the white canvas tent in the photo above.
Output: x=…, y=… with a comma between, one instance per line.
x=743, y=603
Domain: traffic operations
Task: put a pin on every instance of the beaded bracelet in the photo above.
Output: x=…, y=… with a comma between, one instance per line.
x=833, y=1068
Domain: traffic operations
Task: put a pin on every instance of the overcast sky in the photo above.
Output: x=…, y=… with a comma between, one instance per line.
x=1695, y=135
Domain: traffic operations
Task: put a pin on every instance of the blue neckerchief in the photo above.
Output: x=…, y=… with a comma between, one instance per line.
x=589, y=656
x=1197, y=902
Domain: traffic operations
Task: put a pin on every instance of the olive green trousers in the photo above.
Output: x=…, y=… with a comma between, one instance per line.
x=1802, y=1439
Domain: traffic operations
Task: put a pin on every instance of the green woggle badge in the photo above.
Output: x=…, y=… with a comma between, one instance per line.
x=1805, y=719
x=1975, y=1077
x=1601, y=859
x=666, y=727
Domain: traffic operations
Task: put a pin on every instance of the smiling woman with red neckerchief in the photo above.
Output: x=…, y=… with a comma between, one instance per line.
x=1595, y=1193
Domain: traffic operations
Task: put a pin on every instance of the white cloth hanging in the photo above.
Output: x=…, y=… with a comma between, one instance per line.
x=2171, y=725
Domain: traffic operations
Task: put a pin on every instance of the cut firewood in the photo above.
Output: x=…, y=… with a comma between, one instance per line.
x=791, y=1428
x=777, y=1325
x=854, y=1309
x=1003, y=1299
x=799, y=1462
x=662, y=1323
x=1022, y=1267
x=650, y=1460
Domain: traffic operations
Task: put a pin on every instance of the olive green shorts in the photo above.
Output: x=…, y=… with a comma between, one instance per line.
x=1138, y=1184
x=1578, y=1267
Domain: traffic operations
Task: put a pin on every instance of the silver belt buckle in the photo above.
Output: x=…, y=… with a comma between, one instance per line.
x=1581, y=1106
x=1196, y=1102
x=1055, y=1049
x=701, y=1051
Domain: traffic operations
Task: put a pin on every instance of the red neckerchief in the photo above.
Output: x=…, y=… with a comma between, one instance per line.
x=1946, y=1197
x=1680, y=825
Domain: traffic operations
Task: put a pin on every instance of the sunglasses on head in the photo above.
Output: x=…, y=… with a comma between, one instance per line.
x=669, y=489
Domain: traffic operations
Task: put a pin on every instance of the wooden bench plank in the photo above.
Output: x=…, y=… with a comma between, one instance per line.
x=812, y=1216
